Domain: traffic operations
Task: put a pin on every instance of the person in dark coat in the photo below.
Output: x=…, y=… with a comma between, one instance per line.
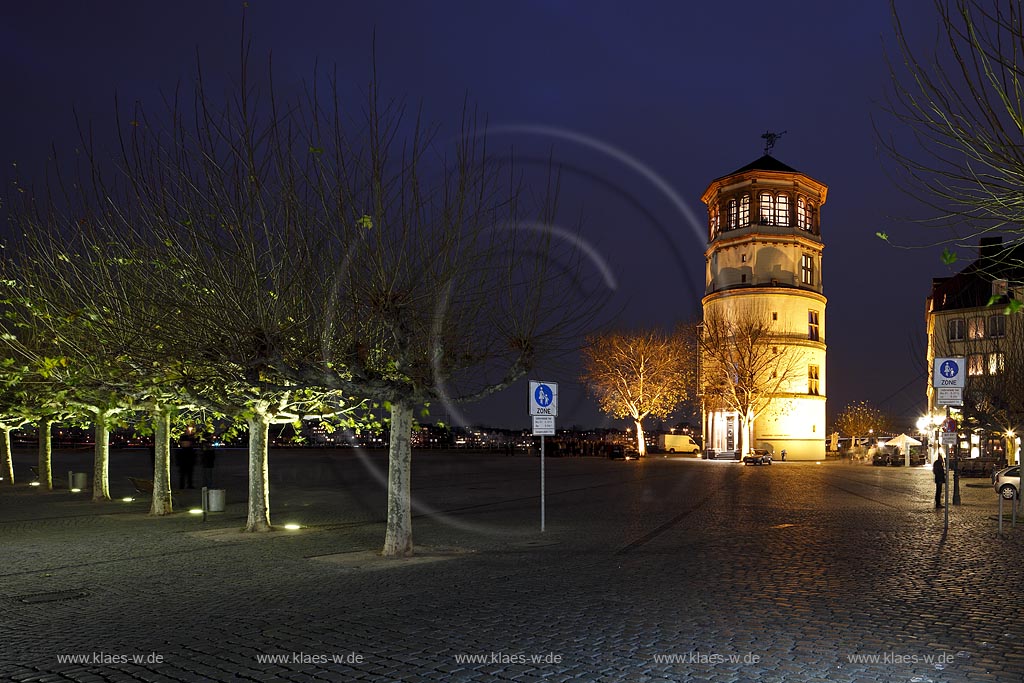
x=186, y=461
x=207, y=458
x=939, y=469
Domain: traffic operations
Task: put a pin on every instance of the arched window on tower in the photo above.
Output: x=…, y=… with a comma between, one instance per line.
x=733, y=215
x=713, y=219
x=801, y=213
x=782, y=210
x=767, y=207
x=744, y=211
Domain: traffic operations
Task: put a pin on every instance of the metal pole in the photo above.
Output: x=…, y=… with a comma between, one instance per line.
x=956, y=471
x=946, y=506
x=205, y=502
x=542, y=484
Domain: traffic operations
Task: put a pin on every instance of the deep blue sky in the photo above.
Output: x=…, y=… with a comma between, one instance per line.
x=652, y=100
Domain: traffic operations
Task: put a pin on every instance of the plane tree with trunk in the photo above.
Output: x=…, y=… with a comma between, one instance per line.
x=638, y=374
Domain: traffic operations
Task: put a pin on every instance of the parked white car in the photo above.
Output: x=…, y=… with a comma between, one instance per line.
x=1007, y=482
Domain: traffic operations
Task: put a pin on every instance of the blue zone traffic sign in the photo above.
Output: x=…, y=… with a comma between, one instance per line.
x=543, y=398
x=948, y=373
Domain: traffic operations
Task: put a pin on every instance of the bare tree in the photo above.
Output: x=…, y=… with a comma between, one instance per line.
x=958, y=108
x=746, y=363
x=858, y=419
x=639, y=374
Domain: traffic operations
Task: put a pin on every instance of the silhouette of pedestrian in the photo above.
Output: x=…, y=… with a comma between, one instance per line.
x=186, y=461
x=939, y=470
x=783, y=455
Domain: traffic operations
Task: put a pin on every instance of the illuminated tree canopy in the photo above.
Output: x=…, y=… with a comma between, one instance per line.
x=638, y=375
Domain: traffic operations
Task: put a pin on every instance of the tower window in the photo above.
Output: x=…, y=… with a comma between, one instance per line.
x=775, y=315
x=812, y=380
x=767, y=202
x=774, y=209
x=744, y=211
x=782, y=210
x=713, y=219
x=807, y=269
x=801, y=213
x=812, y=325
x=733, y=214
x=955, y=329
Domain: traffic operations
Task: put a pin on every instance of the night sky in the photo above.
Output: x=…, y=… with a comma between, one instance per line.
x=643, y=104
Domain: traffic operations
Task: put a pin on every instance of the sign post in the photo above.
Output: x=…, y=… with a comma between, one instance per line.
x=543, y=410
x=948, y=379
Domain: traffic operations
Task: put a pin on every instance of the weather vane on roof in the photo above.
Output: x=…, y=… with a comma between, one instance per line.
x=769, y=140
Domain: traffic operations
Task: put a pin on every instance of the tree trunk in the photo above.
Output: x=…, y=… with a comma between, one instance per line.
x=641, y=442
x=45, y=429
x=398, y=539
x=259, y=474
x=162, y=500
x=5, y=453
x=101, y=460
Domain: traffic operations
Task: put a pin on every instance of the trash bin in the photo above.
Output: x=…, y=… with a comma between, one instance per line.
x=216, y=500
x=78, y=480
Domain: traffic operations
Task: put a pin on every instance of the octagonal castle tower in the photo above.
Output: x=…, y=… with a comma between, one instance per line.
x=764, y=259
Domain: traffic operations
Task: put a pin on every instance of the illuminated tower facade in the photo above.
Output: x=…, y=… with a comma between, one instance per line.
x=763, y=261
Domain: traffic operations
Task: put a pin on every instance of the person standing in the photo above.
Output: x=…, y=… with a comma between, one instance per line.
x=939, y=470
x=186, y=461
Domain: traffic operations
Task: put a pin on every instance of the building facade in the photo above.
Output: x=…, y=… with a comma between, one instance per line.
x=966, y=316
x=763, y=262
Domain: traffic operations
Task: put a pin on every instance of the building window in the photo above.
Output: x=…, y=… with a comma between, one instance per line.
x=955, y=329
x=801, y=213
x=733, y=214
x=744, y=211
x=997, y=326
x=767, y=208
x=807, y=269
x=812, y=380
x=975, y=328
x=775, y=316
x=976, y=364
x=782, y=210
x=812, y=325
x=713, y=218
x=996, y=363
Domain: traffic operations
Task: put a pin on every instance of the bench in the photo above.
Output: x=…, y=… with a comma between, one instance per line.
x=142, y=485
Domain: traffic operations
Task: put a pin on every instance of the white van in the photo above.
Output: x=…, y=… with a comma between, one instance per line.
x=679, y=443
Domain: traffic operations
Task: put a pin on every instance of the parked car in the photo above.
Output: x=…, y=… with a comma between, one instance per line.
x=620, y=452
x=758, y=456
x=1007, y=482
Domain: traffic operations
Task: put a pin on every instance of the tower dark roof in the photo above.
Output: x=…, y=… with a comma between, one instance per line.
x=766, y=163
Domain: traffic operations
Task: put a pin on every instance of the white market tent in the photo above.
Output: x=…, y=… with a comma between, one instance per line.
x=902, y=442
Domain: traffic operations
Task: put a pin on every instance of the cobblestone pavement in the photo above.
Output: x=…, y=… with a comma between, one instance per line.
x=659, y=570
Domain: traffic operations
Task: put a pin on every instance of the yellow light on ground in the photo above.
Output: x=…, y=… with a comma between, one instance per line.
x=76, y=490
x=35, y=483
x=818, y=462
x=292, y=527
x=128, y=499
x=195, y=511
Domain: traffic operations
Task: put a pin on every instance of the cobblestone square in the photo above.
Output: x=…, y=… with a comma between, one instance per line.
x=666, y=569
